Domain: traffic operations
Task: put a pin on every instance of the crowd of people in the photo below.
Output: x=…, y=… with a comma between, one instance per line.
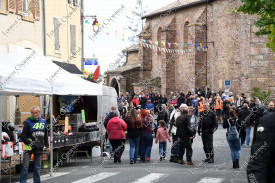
x=178, y=118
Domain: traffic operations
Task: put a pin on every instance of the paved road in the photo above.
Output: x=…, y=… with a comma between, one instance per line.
x=219, y=172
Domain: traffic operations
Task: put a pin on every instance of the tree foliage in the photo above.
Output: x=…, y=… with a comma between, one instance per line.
x=262, y=95
x=266, y=11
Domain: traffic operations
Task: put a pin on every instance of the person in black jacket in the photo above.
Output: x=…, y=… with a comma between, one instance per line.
x=143, y=101
x=246, y=121
x=35, y=137
x=235, y=145
x=133, y=133
x=184, y=133
x=208, y=124
x=261, y=164
x=163, y=115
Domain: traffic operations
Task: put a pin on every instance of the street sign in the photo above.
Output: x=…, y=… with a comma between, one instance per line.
x=227, y=83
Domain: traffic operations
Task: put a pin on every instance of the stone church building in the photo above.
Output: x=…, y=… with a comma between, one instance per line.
x=233, y=52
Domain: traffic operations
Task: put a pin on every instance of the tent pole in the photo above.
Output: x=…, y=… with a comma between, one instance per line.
x=0, y=132
x=51, y=131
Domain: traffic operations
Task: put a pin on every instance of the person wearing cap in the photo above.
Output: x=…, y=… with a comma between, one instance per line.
x=208, y=124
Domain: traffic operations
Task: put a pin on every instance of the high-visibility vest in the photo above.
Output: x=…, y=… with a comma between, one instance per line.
x=218, y=105
x=200, y=107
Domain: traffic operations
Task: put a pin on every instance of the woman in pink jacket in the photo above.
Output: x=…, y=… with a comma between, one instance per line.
x=162, y=136
x=116, y=128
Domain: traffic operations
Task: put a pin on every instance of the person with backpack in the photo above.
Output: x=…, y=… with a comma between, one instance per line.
x=233, y=125
x=246, y=121
x=162, y=136
x=133, y=128
x=106, y=120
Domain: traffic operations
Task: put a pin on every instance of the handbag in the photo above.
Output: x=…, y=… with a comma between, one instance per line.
x=174, y=130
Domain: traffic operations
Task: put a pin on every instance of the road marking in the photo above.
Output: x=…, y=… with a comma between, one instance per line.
x=85, y=167
x=47, y=176
x=96, y=177
x=210, y=180
x=152, y=177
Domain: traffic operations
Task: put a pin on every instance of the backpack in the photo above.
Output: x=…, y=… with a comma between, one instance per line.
x=108, y=117
x=232, y=132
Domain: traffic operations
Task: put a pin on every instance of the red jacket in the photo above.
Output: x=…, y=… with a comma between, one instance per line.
x=116, y=128
x=136, y=101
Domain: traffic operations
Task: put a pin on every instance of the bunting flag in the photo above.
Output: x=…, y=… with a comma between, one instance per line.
x=150, y=42
x=97, y=73
x=182, y=44
x=169, y=44
x=86, y=21
x=163, y=43
x=176, y=44
x=157, y=43
x=94, y=55
x=144, y=40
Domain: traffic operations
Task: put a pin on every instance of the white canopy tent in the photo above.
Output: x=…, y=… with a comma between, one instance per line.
x=29, y=72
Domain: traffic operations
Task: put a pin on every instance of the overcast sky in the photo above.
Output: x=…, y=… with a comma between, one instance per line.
x=106, y=48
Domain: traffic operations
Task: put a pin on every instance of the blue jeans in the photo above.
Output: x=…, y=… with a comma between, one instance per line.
x=247, y=131
x=36, y=167
x=146, y=143
x=162, y=149
x=134, y=144
x=235, y=147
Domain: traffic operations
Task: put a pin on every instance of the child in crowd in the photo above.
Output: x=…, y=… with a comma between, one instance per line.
x=162, y=136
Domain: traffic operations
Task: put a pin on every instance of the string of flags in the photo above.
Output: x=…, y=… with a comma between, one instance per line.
x=179, y=48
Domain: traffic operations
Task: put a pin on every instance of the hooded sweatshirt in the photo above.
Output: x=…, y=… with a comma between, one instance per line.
x=35, y=134
x=116, y=128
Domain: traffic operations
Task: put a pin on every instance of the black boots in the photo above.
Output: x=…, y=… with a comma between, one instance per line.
x=236, y=164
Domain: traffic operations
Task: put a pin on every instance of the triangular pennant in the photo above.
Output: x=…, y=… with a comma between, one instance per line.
x=163, y=43
x=140, y=42
x=159, y=48
x=176, y=44
x=182, y=44
x=185, y=44
x=144, y=40
x=94, y=55
x=86, y=21
x=108, y=33
x=194, y=49
x=198, y=48
x=150, y=42
x=200, y=45
x=196, y=44
x=169, y=44
x=157, y=43
x=150, y=46
x=123, y=38
x=190, y=44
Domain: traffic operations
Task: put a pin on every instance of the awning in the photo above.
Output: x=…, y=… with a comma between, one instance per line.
x=71, y=68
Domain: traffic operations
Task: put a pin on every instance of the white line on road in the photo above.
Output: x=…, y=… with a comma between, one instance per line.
x=96, y=177
x=152, y=177
x=85, y=167
x=47, y=176
x=210, y=180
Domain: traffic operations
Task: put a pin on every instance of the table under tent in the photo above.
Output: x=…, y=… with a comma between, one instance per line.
x=29, y=72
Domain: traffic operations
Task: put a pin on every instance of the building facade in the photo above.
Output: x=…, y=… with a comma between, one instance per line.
x=63, y=31
x=233, y=52
x=21, y=25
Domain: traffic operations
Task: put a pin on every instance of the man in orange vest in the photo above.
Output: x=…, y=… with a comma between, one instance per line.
x=218, y=108
x=200, y=106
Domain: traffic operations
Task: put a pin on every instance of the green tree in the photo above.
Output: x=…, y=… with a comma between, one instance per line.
x=266, y=11
x=262, y=95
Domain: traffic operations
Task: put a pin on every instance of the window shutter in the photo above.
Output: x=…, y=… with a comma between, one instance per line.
x=12, y=6
x=56, y=33
x=73, y=38
x=37, y=9
x=19, y=6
